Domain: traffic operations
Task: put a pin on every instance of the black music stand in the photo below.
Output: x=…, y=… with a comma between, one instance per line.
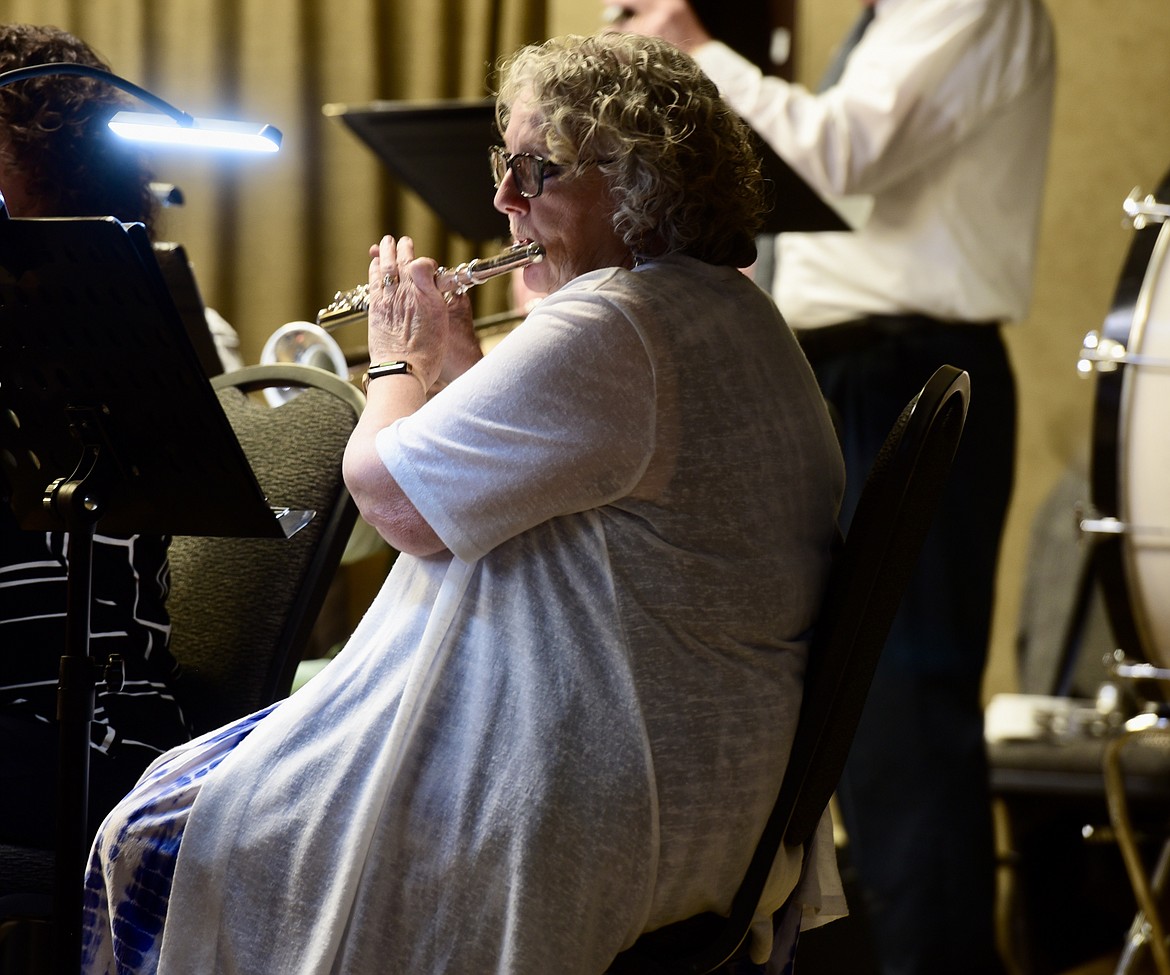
x=440, y=151
x=106, y=418
x=180, y=280
x=795, y=206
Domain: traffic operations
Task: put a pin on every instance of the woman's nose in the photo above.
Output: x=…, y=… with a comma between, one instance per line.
x=508, y=198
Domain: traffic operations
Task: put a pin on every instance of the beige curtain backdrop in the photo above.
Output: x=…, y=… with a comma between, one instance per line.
x=272, y=237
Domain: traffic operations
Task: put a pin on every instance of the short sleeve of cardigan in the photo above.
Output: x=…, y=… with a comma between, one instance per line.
x=557, y=419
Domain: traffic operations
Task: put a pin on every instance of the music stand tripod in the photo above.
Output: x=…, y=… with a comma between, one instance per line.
x=106, y=420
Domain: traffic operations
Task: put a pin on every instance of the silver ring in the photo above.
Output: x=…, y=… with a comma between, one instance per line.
x=388, y=281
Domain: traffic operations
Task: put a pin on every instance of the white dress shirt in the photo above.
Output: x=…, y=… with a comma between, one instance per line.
x=941, y=118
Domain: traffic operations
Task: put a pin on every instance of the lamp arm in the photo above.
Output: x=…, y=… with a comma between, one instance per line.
x=68, y=67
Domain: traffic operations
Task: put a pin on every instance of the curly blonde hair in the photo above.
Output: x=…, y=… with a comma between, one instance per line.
x=681, y=165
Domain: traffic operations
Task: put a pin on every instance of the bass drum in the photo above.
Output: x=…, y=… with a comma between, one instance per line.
x=1130, y=465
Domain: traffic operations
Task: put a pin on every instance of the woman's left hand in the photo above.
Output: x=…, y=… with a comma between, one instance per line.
x=463, y=348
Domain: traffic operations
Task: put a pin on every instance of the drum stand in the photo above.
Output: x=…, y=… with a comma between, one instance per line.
x=1146, y=939
x=99, y=378
x=1147, y=935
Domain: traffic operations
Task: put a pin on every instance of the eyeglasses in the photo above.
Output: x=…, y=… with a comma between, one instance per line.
x=528, y=169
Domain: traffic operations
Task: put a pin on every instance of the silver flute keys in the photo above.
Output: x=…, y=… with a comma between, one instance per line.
x=454, y=280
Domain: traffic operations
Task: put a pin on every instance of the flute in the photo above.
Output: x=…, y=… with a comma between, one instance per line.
x=455, y=280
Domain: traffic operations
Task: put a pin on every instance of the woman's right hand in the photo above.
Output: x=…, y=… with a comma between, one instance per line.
x=408, y=315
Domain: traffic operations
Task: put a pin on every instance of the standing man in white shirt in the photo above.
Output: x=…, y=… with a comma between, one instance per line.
x=938, y=127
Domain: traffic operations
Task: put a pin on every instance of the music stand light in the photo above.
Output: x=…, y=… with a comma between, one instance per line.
x=169, y=124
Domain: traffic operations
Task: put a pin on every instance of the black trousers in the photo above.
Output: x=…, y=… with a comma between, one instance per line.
x=914, y=796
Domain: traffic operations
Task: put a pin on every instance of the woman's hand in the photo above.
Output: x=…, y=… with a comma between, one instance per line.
x=408, y=315
x=409, y=321
x=463, y=348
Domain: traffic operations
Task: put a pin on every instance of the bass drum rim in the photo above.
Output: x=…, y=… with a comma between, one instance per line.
x=1125, y=323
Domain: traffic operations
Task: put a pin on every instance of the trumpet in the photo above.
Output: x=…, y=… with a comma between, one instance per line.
x=351, y=304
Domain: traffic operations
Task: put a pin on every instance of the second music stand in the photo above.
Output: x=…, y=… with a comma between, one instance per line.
x=440, y=151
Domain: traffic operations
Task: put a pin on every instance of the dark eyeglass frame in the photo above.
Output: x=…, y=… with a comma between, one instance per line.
x=528, y=169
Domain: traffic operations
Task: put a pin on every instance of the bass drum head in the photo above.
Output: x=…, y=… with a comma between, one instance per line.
x=1131, y=451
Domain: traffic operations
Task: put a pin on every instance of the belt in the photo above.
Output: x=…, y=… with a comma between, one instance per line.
x=829, y=340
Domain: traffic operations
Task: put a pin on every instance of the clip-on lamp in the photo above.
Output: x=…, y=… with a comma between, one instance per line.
x=173, y=126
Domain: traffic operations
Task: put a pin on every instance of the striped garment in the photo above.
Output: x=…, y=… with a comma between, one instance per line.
x=128, y=617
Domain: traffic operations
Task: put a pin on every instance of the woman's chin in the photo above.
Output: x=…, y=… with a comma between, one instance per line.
x=539, y=280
